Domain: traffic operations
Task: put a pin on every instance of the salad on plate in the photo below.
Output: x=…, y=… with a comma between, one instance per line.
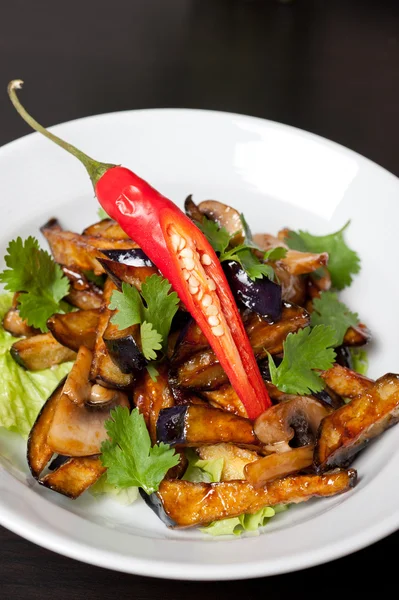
x=178, y=357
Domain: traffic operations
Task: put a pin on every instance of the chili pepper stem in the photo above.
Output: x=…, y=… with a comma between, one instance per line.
x=94, y=168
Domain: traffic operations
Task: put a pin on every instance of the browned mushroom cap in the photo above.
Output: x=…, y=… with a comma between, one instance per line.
x=79, y=430
x=300, y=416
x=276, y=465
x=77, y=386
x=224, y=216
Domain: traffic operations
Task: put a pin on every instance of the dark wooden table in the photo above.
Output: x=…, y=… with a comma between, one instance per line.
x=328, y=67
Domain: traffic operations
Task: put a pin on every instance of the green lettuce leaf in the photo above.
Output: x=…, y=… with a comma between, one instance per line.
x=202, y=471
x=22, y=393
x=360, y=360
x=236, y=525
x=123, y=496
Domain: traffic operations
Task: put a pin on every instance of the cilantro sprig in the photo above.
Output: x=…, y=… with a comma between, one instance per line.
x=328, y=310
x=305, y=352
x=343, y=262
x=130, y=459
x=153, y=310
x=220, y=239
x=33, y=271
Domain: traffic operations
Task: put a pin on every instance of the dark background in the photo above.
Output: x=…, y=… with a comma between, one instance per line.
x=330, y=67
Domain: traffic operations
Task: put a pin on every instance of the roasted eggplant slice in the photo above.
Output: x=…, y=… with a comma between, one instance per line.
x=104, y=371
x=347, y=430
x=18, y=327
x=195, y=425
x=234, y=459
x=128, y=266
x=40, y=352
x=39, y=452
x=81, y=252
x=226, y=398
x=185, y=504
x=123, y=347
x=357, y=336
x=151, y=397
x=195, y=366
x=75, y=329
x=345, y=382
x=75, y=476
x=278, y=465
x=88, y=299
x=262, y=296
x=107, y=228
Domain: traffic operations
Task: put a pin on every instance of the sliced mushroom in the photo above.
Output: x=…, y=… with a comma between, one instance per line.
x=234, y=459
x=277, y=465
x=225, y=216
x=18, y=327
x=298, y=418
x=77, y=386
x=79, y=430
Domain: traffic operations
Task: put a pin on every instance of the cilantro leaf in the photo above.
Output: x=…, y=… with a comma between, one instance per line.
x=252, y=266
x=152, y=371
x=304, y=351
x=328, y=310
x=275, y=253
x=343, y=262
x=155, y=317
x=218, y=237
x=150, y=340
x=102, y=214
x=128, y=455
x=162, y=304
x=129, y=306
x=33, y=271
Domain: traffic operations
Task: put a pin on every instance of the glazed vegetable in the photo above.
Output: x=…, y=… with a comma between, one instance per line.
x=196, y=367
x=300, y=416
x=75, y=329
x=40, y=352
x=262, y=296
x=74, y=476
x=39, y=452
x=345, y=382
x=186, y=504
x=182, y=254
x=131, y=266
x=278, y=465
x=16, y=325
x=346, y=431
x=194, y=425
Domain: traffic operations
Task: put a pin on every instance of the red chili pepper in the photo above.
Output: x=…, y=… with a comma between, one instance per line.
x=183, y=255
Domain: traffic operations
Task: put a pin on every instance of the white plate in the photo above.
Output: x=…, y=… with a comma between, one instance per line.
x=278, y=176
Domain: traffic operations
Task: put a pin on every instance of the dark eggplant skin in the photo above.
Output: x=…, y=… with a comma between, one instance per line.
x=262, y=296
x=131, y=266
x=199, y=424
x=155, y=503
x=344, y=357
x=171, y=425
x=125, y=353
x=134, y=257
x=329, y=398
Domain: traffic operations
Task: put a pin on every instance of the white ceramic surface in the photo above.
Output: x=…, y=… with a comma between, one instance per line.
x=278, y=176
